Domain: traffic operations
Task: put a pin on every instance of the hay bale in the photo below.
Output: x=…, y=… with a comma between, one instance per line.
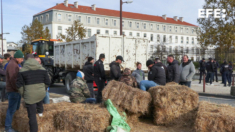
x=131, y=99
x=86, y=118
x=174, y=105
x=215, y=118
x=171, y=84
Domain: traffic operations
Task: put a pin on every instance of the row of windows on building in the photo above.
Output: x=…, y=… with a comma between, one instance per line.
x=176, y=50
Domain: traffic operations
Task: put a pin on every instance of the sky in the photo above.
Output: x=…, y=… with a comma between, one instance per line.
x=17, y=13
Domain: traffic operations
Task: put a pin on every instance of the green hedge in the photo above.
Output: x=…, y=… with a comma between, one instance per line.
x=196, y=64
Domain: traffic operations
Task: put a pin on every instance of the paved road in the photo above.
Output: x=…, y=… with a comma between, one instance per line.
x=60, y=89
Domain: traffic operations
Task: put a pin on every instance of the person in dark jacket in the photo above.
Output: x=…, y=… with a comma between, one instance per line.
x=210, y=71
x=2, y=80
x=115, y=70
x=202, y=69
x=158, y=63
x=225, y=72
x=13, y=94
x=88, y=70
x=32, y=82
x=221, y=66
x=156, y=76
x=99, y=77
x=216, y=66
x=230, y=73
x=173, y=74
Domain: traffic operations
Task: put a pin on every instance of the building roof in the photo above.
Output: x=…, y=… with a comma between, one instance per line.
x=115, y=13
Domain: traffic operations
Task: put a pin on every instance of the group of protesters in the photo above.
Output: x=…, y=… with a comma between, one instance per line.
x=210, y=69
x=159, y=74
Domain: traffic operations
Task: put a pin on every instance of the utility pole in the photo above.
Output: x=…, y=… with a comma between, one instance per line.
x=121, y=3
x=2, y=27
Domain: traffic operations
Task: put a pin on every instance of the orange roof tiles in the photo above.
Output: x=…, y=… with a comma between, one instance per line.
x=115, y=13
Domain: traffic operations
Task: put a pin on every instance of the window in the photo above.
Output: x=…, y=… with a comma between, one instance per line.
x=151, y=26
x=107, y=32
x=176, y=29
x=97, y=31
x=186, y=30
x=130, y=33
x=89, y=20
x=192, y=50
x=187, y=40
x=137, y=25
x=192, y=30
x=187, y=50
x=107, y=22
x=98, y=21
x=170, y=39
x=123, y=33
x=123, y=23
x=158, y=38
x=130, y=24
x=176, y=39
x=138, y=34
x=79, y=18
x=157, y=27
x=144, y=25
x=181, y=30
x=164, y=28
x=197, y=51
x=164, y=48
x=41, y=18
x=151, y=38
x=115, y=32
x=115, y=22
x=164, y=38
x=192, y=40
x=182, y=49
x=145, y=35
x=151, y=48
x=47, y=17
x=182, y=40
x=70, y=18
x=59, y=30
x=170, y=49
x=170, y=28
x=35, y=18
x=89, y=32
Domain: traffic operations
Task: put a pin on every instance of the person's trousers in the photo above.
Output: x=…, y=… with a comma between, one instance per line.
x=226, y=78
x=3, y=91
x=91, y=89
x=202, y=72
x=90, y=101
x=222, y=77
x=209, y=77
x=46, y=99
x=145, y=85
x=100, y=84
x=14, y=99
x=216, y=75
x=32, y=110
x=186, y=83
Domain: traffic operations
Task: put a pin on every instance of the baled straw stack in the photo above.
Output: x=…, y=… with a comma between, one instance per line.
x=174, y=104
x=131, y=99
x=215, y=118
x=88, y=118
x=3, y=111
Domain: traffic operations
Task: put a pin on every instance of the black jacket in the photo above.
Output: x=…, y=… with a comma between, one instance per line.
x=2, y=73
x=210, y=67
x=115, y=71
x=157, y=74
x=160, y=64
x=99, y=70
x=202, y=65
x=226, y=68
x=216, y=64
x=173, y=74
x=88, y=70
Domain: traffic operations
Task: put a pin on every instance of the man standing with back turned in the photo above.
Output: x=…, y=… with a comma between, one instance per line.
x=99, y=76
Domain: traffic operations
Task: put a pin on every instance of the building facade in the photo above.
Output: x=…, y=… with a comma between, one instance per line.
x=4, y=46
x=166, y=35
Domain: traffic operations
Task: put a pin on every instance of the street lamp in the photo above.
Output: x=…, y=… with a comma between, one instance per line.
x=121, y=3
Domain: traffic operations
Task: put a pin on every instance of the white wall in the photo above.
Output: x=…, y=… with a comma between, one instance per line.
x=4, y=46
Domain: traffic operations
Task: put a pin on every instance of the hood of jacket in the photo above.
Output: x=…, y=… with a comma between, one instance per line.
x=113, y=63
x=185, y=64
x=174, y=62
x=158, y=64
x=32, y=64
x=88, y=63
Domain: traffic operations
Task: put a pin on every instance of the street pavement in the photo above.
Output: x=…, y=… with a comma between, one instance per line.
x=60, y=89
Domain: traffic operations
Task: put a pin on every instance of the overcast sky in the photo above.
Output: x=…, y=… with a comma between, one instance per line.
x=17, y=13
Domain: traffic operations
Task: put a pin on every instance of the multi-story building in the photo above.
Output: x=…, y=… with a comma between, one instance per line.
x=168, y=35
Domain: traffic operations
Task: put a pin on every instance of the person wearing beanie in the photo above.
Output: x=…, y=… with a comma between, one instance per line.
x=88, y=70
x=79, y=92
x=99, y=77
x=156, y=76
x=14, y=96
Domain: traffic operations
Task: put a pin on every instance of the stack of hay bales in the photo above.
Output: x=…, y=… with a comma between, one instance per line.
x=133, y=100
x=3, y=111
x=174, y=105
x=215, y=118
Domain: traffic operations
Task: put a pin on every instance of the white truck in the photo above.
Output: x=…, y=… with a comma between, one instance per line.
x=71, y=56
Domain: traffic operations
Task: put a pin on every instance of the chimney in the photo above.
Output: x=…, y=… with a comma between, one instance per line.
x=76, y=4
x=57, y=3
x=181, y=19
x=66, y=3
x=164, y=17
x=93, y=7
x=175, y=18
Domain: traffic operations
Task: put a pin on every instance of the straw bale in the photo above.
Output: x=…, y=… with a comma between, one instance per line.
x=174, y=104
x=126, y=97
x=215, y=118
x=171, y=84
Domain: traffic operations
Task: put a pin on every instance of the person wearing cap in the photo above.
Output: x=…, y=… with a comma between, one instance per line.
x=79, y=92
x=2, y=80
x=14, y=96
x=210, y=71
x=128, y=79
x=156, y=76
x=202, y=69
x=32, y=82
x=99, y=77
x=216, y=66
x=115, y=70
x=88, y=70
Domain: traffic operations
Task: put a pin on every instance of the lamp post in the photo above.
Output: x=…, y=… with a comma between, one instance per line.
x=121, y=3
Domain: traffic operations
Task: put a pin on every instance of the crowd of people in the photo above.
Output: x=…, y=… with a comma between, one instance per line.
x=210, y=69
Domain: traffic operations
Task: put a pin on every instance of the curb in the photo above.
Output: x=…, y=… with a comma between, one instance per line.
x=217, y=95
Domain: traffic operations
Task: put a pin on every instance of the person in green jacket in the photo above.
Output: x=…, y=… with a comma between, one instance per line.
x=32, y=81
